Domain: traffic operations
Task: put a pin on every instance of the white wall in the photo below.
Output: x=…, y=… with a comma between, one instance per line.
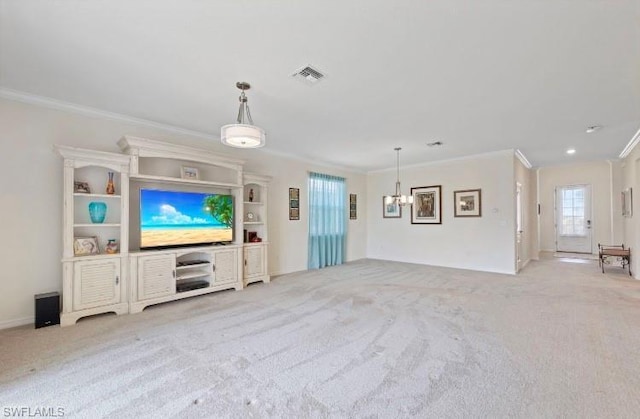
x=486, y=243
x=31, y=197
x=600, y=175
x=630, y=178
x=526, y=178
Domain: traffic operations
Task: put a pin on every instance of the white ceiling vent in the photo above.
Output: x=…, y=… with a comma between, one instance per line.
x=309, y=75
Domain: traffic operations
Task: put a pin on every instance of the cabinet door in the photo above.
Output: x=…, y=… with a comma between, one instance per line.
x=96, y=283
x=254, y=261
x=225, y=264
x=156, y=276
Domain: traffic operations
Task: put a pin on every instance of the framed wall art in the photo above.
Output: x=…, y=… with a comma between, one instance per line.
x=392, y=210
x=467, y=203
x=353, y=207
x=427, y=205
x=294, y=204
x=627, y=202
x=84, y=246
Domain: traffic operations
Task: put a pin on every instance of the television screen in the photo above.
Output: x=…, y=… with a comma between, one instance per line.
x=175, y=218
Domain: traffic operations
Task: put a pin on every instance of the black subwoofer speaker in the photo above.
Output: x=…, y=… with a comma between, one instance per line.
x=47, y=309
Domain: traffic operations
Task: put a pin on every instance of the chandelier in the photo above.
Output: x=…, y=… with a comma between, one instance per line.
x=398, y=198
x=243, y=134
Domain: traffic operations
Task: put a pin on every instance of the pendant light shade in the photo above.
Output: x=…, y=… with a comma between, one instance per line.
x=397, y=197
x=243, y=134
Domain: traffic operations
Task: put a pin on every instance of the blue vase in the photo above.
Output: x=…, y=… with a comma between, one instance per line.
x=97, y=212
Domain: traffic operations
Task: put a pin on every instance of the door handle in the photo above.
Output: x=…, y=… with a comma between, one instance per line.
x=588, y=223
x=117, y=279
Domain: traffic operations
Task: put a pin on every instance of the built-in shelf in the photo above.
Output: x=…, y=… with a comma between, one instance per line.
x=252, y=203
x=101, y=225
x=96, y=256
x=253, y=223
x=191, y=275
x=96, y=195
x=166, y=179
x=199, y=265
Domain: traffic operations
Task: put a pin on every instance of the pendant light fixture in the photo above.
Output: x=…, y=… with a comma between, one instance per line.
x=398, y=198
x=243, y=134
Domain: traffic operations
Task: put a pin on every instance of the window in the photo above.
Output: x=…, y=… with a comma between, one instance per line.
x=572, y=222
x=327, y=220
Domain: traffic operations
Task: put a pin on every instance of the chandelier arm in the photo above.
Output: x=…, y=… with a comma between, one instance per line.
x=246, y=106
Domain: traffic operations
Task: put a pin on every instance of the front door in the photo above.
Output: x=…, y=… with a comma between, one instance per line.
x=573, y=218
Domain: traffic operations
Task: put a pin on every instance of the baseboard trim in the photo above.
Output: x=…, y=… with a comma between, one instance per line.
x=8, y=324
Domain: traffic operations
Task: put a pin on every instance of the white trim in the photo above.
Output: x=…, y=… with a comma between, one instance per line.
x=611, y=232
x=437, y=162
x=630, y=145
x=8, y=324
x=522, y=159
x=47, y=102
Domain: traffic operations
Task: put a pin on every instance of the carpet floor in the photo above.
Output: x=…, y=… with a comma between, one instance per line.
x=366, y=339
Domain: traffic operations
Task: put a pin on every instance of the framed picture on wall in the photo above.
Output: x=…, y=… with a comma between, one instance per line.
x=353, y=207
x=627, y=202
x=467, y=203
x=427, y=205
x=294, y=204
x=392, y=210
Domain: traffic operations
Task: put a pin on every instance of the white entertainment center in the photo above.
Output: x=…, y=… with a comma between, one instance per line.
x=131, y=279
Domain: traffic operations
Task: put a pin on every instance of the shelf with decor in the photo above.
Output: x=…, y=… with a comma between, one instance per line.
x=95, y=233
x=255, y=195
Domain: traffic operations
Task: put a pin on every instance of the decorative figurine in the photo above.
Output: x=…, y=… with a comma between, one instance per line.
x=251, y=195
x=112, y=246
x=111, y=189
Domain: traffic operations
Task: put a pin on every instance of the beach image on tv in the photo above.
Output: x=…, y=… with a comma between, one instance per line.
x=174, y=218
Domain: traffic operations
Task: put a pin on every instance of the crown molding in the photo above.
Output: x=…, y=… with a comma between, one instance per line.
x=520, y=155
x=630, y=145
x=47, y=102
x=32, y=99
x=445, y=161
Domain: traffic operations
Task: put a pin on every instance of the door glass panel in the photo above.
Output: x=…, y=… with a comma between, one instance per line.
x=572, y=222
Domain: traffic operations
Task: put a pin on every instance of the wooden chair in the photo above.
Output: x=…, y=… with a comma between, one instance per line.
x=606, y=251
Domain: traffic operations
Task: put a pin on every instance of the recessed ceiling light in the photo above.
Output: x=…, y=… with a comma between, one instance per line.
x=571, y=151
x=593, y=128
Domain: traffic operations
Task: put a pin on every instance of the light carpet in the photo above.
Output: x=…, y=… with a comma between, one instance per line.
x=366, y=339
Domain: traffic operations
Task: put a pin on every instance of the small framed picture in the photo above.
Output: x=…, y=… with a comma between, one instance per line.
x=392, y=210
x=627, y=202
x=189, y=173
x=81, y=187
x=84, y=246
x=467, y=203
x=294, y=204
x=353, y=206
x=427, y=205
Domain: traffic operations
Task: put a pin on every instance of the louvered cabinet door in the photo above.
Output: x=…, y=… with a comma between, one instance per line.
x=156, y=276
x=254, y=263
x=226, y=266
x=96, y=283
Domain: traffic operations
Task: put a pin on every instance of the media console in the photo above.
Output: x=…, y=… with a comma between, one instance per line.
x=129, y=280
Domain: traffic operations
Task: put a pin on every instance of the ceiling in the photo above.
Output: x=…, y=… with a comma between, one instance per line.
x=479, y=76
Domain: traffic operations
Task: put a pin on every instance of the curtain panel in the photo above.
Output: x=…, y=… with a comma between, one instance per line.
x=327, y=220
